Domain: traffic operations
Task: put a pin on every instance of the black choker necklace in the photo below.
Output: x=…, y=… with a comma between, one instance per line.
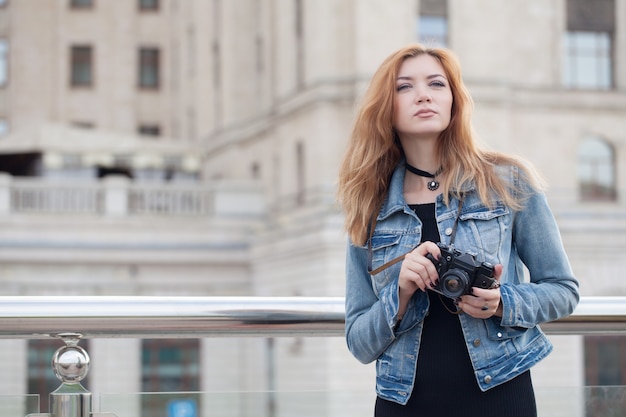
x=432, y=185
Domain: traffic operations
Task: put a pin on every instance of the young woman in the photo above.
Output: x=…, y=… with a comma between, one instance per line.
x=414, y=184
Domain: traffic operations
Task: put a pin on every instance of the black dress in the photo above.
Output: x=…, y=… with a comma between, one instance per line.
x=445, y=385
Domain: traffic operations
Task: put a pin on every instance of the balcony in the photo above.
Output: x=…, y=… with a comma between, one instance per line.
x=119, y=196
x=72, y=318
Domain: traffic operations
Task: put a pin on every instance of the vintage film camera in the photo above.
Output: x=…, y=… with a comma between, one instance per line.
x=459, y=272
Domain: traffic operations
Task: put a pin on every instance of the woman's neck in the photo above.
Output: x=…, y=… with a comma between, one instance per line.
x=421, y=154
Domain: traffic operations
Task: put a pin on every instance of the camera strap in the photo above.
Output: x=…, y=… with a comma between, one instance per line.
x=401, y=257
x=456, y=221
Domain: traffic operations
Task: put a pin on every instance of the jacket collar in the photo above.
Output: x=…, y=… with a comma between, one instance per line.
x=394, y=200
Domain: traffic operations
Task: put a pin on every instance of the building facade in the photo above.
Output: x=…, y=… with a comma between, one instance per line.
x=191, y=147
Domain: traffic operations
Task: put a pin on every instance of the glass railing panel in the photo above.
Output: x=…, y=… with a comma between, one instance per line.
x=18, y=405
x=560, y=401
x=606, y=401
x=238, y=404
x=590, y=401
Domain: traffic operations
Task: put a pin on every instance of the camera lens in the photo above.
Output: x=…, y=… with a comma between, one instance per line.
x=454, y=283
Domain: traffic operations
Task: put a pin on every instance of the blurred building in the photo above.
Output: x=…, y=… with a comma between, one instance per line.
x=191, y=147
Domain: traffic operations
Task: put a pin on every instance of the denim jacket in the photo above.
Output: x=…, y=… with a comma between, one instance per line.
x=500, y=348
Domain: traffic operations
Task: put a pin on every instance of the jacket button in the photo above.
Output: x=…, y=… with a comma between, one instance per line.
x=476, y=342
x=448, y=231
x=488, y=379
x=499, y=334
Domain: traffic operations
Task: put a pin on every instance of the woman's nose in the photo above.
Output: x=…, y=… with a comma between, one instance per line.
x=423, y=98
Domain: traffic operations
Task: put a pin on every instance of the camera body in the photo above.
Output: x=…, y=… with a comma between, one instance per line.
x=459, y=272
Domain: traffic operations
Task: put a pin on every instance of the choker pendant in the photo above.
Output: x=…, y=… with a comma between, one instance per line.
x=433, y=184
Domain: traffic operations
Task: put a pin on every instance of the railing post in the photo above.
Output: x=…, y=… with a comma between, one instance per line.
x=116, y=189
x=71, y=365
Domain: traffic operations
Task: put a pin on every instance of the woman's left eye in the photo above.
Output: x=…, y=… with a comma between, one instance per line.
x=437, y=84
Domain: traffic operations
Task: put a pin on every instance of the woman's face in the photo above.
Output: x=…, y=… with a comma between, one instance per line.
x=423, y=99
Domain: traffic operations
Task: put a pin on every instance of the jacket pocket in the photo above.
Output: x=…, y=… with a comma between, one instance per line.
x=385, y=247
x=497, y=332
x=487, y=227
x=511, y=340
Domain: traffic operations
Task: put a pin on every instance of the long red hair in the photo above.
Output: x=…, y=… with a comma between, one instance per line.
x=373, y=149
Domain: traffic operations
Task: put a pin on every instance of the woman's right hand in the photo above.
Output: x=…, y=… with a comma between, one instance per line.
x=417, y=272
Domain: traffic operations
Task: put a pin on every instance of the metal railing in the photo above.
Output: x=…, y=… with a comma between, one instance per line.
x=41, y=317
x=169, y=317
x=70, y=318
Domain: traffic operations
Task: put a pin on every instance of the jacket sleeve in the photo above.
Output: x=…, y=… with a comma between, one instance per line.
x=370, y=318
x=552, y=292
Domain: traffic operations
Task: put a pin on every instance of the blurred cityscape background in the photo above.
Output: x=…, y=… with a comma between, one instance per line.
x=191, y=147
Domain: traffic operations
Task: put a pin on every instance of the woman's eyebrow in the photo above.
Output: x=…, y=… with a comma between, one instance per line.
x=430, y=77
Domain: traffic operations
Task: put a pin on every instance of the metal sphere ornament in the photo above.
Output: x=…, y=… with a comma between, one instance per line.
x=70, y=363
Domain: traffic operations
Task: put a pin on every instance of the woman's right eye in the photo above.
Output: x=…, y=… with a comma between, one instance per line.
x=402, y=87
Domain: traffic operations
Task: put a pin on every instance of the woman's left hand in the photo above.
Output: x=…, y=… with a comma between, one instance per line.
x=482, y=303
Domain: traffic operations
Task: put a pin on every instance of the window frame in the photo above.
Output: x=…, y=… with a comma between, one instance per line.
x=574, y=54
x=149, y=130
x=6, y=63
x=433, y=9
x=152, y=351
x=584, y=19
x=430, y=39
x=75, y=60
x=156, y=5
x=599, y=396
x=591, y=187
x=5, y=126
x=300, y=157
x=149, y=62
x=300, y=43
x=81, y=4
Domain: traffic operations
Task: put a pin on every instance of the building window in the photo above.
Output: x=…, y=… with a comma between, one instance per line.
x=260, y=51
x=605, y=375
x=596, y=171
x=300, y=42
x=41, y=377
x=432, y=23
x=81, y=4
x=217, y=81
x=588, y=62
x=149, y=68
x=300, y=174
x=149, y=130
x=216, y=61
x=123, y=160
x=83, y=125
x=255, y=170
x=81, y=66
x=72, y=161
x=4, y=127
x=4, y=62
x=146, y=5
x=588, y=44
x=168, y=365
